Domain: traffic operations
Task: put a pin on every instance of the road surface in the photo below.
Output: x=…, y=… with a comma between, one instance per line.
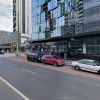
x=23, y=81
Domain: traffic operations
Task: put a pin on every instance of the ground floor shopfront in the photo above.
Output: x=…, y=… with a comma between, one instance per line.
x=72, y=48
x=8, y=48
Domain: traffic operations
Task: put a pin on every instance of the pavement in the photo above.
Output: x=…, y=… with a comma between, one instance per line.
x=68, y=62
x=24, y=56
x=37, y=81
x=8, y=55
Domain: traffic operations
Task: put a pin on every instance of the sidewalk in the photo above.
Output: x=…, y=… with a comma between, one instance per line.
x=21, y=55
x=67, y=62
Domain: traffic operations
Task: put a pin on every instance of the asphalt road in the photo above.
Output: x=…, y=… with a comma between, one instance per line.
x=21, y=81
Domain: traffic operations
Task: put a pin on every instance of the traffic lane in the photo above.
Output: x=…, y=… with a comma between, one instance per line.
x=53, y=85
x=67, y=69
x=6, y=93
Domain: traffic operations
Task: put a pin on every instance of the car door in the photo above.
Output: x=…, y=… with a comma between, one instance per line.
x=90, y=66
x=29, y=55
x=32, y=56
x=82, y=64
x=50, y=60
x=46, y=59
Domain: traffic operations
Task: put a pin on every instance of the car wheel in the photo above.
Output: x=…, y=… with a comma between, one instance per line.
x=28, y=58
x=77, y=68
x=36, y=61
x=55, y=63
x=43, y=61
x=99, y=72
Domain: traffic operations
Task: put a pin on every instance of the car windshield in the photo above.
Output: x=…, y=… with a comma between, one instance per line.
x=40, y=55
x=97, y=63
x=54, y=57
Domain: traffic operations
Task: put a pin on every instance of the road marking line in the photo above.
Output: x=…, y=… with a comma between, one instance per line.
x=18, y=92
x=29, y=71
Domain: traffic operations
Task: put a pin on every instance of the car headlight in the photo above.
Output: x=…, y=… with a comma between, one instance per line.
x=39, y=58
x=59, y=61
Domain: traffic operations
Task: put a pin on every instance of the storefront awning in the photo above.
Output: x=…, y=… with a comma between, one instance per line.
x=23, y=46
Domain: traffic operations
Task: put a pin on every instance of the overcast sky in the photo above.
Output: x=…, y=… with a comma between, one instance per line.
x=6, y=10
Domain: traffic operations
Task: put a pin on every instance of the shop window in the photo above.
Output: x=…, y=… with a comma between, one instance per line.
x=89, y=41
x=98, y=48
x=95, y=40
x=95, y=49
x=89, y=49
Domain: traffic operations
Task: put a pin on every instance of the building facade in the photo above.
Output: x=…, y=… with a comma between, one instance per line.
x=8, y=41
x=71, y=28
x=23, y=20
x=14, y=15
x=52, y=18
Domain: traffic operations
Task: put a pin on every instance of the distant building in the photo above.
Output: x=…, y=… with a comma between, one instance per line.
x=8, y=41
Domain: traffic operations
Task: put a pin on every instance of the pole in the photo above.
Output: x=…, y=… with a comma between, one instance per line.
x=17, y=50
x=17, y=47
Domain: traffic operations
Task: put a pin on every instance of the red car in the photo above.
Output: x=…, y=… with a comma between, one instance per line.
x=52, y=59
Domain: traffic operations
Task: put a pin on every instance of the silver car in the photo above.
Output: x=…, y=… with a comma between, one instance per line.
x=88, y=65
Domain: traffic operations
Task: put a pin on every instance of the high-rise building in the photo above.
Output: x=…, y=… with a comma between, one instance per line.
x=71, y=28
x=91, y=15
x=28, y=18
x=22, y=23
x=14, y=15
x=52, y=18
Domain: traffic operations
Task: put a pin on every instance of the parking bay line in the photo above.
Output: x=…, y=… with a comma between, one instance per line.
x=29, y=71
x=13, y=88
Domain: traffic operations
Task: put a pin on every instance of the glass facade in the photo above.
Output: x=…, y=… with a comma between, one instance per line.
x=80, y=48
x=52, y=18
x=91, y=15
x=55, y=18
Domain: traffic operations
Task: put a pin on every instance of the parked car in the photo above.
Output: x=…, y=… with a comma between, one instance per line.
x=52, y=59
x=26, y=52
x=88, y=65
x=1, y=52
x=34, y=56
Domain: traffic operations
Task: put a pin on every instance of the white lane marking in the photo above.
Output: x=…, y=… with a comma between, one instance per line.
x=18, y=92
x=29, y=71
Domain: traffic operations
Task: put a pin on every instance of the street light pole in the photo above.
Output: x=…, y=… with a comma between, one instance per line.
x=11, y=36
x=17, y=32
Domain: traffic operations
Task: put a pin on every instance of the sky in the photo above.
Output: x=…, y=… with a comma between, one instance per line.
x=6, y=15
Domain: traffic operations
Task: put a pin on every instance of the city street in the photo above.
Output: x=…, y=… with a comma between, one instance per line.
x=58, y=32
x=23, y=80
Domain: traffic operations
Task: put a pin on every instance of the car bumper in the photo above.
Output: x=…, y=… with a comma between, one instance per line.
x=61, y=63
